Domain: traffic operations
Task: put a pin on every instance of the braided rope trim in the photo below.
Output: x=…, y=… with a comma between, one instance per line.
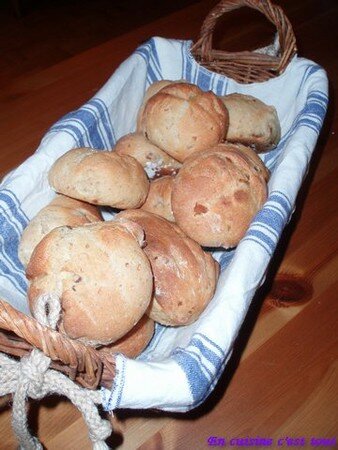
x=32, y=377
x=84, y=364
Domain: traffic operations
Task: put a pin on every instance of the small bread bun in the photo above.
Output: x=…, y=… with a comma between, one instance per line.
x=185, y=276
x=100, y=177
x=252, y=122
x=60, y=211
x=153, y=89
x=101, y=275
x=154, y=160
x=182, y=119
x=134, y=342
x=159, y=198
x=217, y=193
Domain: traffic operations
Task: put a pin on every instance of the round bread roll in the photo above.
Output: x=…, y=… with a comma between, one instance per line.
x=60, y=211
x=185, y=277
x=134, y=342
x=159, y=198
x=252, y=122
x=101, y=275
x=217, y=193
x=182, y=119
x=154, y=160
x=100, y=177
x=153, y=89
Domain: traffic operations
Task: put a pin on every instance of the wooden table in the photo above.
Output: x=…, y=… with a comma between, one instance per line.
x=282, y=379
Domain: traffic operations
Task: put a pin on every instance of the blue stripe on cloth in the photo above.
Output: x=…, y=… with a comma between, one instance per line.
x=155, y=60
x=156, y=339
x=76, y=127
x=143, y=53
x=197, y=381
x=200, y=361
x=262, y=238
x=282, y=196
x=122, y=377
x=225, y=258
x=203, y=80
x=112, y=397
x=267, y=228
x=89, y=126
x=12, y=222
x=184, y=62
x=197, y=357
x=269, y=222
x=106, y=120
x=216, y=347
x=148, y=51
x=83, y=124
x=73, y=132
x=311, y=116
x=99, y=123
x=204, y=350
x=12, y=202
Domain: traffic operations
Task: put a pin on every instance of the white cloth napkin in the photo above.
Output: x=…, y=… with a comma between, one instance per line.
x=181, y=366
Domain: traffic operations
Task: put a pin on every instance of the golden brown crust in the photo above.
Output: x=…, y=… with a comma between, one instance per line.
x=159, y=198
x=135, y=341
x=153, y=159
x=153, y=89
x=185, y=276
x=100, y=178
x=217, y=193
x=100, y=273
x=252, y=122
x=182, y=119
x=60, y=211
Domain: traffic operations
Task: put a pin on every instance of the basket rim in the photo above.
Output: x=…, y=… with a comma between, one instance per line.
x=248, y=66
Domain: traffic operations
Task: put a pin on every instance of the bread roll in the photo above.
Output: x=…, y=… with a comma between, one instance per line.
x=154, y=160
x=159, y=198
x=217, y=193
x=60, y=211
x=134, y=342
x=252, y=122
x=182, y=119
x=101, y=275
x=185, y=276
x=100, y=177
x=153, y=89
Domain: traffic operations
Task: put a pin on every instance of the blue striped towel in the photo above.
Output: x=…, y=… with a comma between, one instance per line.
x=181, y=366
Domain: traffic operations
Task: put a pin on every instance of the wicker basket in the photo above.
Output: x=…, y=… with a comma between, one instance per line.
x=82, y=363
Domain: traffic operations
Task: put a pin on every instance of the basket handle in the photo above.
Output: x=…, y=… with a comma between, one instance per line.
x=81, y=363
x=222, y=61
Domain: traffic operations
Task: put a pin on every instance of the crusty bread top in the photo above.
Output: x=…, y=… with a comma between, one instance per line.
x=217, y=193
x=252, y=122
x=134, y=342
x=100, y=273
x=185, y=276
x=158, y=200
x=154, y=160
x=100, y=178
x=60, y=211
x=153, y=89
x=182, y=119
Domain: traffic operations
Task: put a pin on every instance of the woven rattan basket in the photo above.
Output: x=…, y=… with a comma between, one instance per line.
x=82, y=363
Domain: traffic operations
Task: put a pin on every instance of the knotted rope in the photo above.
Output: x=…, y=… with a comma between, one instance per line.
x=32, y=377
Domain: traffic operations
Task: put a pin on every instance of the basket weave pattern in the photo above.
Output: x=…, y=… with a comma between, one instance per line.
x=246, y=66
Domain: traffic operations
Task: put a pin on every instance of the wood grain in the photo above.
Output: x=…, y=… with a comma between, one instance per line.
x=282, y=378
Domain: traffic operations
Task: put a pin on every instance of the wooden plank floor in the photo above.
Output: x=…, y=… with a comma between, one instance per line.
x=282, y=378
